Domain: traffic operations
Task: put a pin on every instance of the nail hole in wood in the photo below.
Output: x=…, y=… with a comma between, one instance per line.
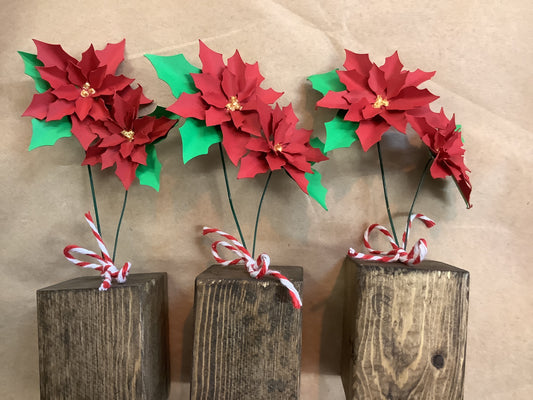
x=438, y=361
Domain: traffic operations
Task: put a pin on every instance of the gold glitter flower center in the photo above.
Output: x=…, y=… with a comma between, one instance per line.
x=278, y=148
x=128, y=134
x=87, y=90
x=233, y=104
x=380, y=102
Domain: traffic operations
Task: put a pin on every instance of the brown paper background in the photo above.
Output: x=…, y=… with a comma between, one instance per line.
x=482, y=53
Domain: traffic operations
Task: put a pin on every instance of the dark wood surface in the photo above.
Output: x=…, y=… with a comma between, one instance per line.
x=247, y=337
x=104, y=345
x=404, y=331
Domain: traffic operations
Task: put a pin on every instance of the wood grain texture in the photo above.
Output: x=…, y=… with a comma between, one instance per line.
x=104, y=345
x=247, y=336
x=404, y=331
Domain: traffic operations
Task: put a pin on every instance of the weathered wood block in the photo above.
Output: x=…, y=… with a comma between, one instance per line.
x=247, y=336
x=104, y=345
x=404, y=331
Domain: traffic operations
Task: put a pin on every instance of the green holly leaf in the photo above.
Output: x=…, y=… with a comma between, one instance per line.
x=197, y=138
x=47, y=133
x=163, y=112
x=317, y=144
x=340, y=133
x=30, y=62
x=149, y=174
x=327, y=82
x=175, y=71
x=315, y=189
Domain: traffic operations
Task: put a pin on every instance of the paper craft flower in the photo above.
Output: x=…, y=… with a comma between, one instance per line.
x=377, y=97
x=280, y=146
x=123, y=137
x=228, y=97
x=443, y=138
x=76, y=86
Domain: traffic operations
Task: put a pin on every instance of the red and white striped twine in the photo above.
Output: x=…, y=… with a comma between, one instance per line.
x=416, y=255
x=256, y=269
x=105, y=264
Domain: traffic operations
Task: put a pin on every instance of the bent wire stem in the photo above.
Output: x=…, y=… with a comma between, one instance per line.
x=385, y=192
x=229, y=194
x=119, y=223
x=94, y=200
x=426, y=168
x=259, y=212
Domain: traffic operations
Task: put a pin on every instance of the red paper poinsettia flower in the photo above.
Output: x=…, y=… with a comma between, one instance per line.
x=281, y=146
x=77, y=87
x=443, y=138
x=378, y=97
x=228, y=97
x=123, y=137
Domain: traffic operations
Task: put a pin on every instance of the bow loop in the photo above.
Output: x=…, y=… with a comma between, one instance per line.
x=256, y=268
x=398, y=252
x=104, y=263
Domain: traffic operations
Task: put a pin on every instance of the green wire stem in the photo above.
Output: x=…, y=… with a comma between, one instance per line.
x=94, y=200
x=259, y=211
x=385, y=193
x=229, y=194
x=119, y=223
x=414, y=200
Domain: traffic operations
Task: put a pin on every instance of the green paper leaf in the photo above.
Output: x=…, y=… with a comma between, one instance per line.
x=326, y=82
x=340, y=133
x=163, y=112
x=149, y=174
x=48, y=133
x=30, y=62
x=197, y=138
x=315, y=188
x=175, y=71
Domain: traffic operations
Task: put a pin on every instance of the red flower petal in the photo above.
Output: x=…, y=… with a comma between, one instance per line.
x=40, y=102
x=67, y=92
x=99, y=111
x=126, y=172
x=109, y=157
x=234, y=142
x=298, y=176
x=189, y=106
x=53, y=55
x=212, y=93
x=268, y=96
x=112, y=84
x=415, y=78
x=126, y=148
x=216, y=116
x=356, y=82
x=54, y=76
x=83, y=106
x=212, y=62
x=89, y=62
x=138, y=155
x=410, y=98
x=75, y=76
x=334, y=100
x=376, y=81
x=82, y=132
x=359, y=62
x=96, y=78
x=251, y=165
x=111, y=56
x=396, y=119
x=274, y=161
x=370, y=132
x=93, y=155
x=59, y=108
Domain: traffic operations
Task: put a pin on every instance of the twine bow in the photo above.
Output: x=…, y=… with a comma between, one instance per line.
x=256, y=269
x=105, y=264
x=398, y=253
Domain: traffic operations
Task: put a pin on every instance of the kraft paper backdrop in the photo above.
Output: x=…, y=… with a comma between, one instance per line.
x=482, y=53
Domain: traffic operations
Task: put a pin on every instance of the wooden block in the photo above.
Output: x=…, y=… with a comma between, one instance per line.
x=104, y=345
x=404, y=331
x=247, y=336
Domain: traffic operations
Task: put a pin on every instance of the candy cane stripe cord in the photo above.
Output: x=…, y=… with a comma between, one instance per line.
x=415, y=256
x=105, y=265
x=256, y=269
